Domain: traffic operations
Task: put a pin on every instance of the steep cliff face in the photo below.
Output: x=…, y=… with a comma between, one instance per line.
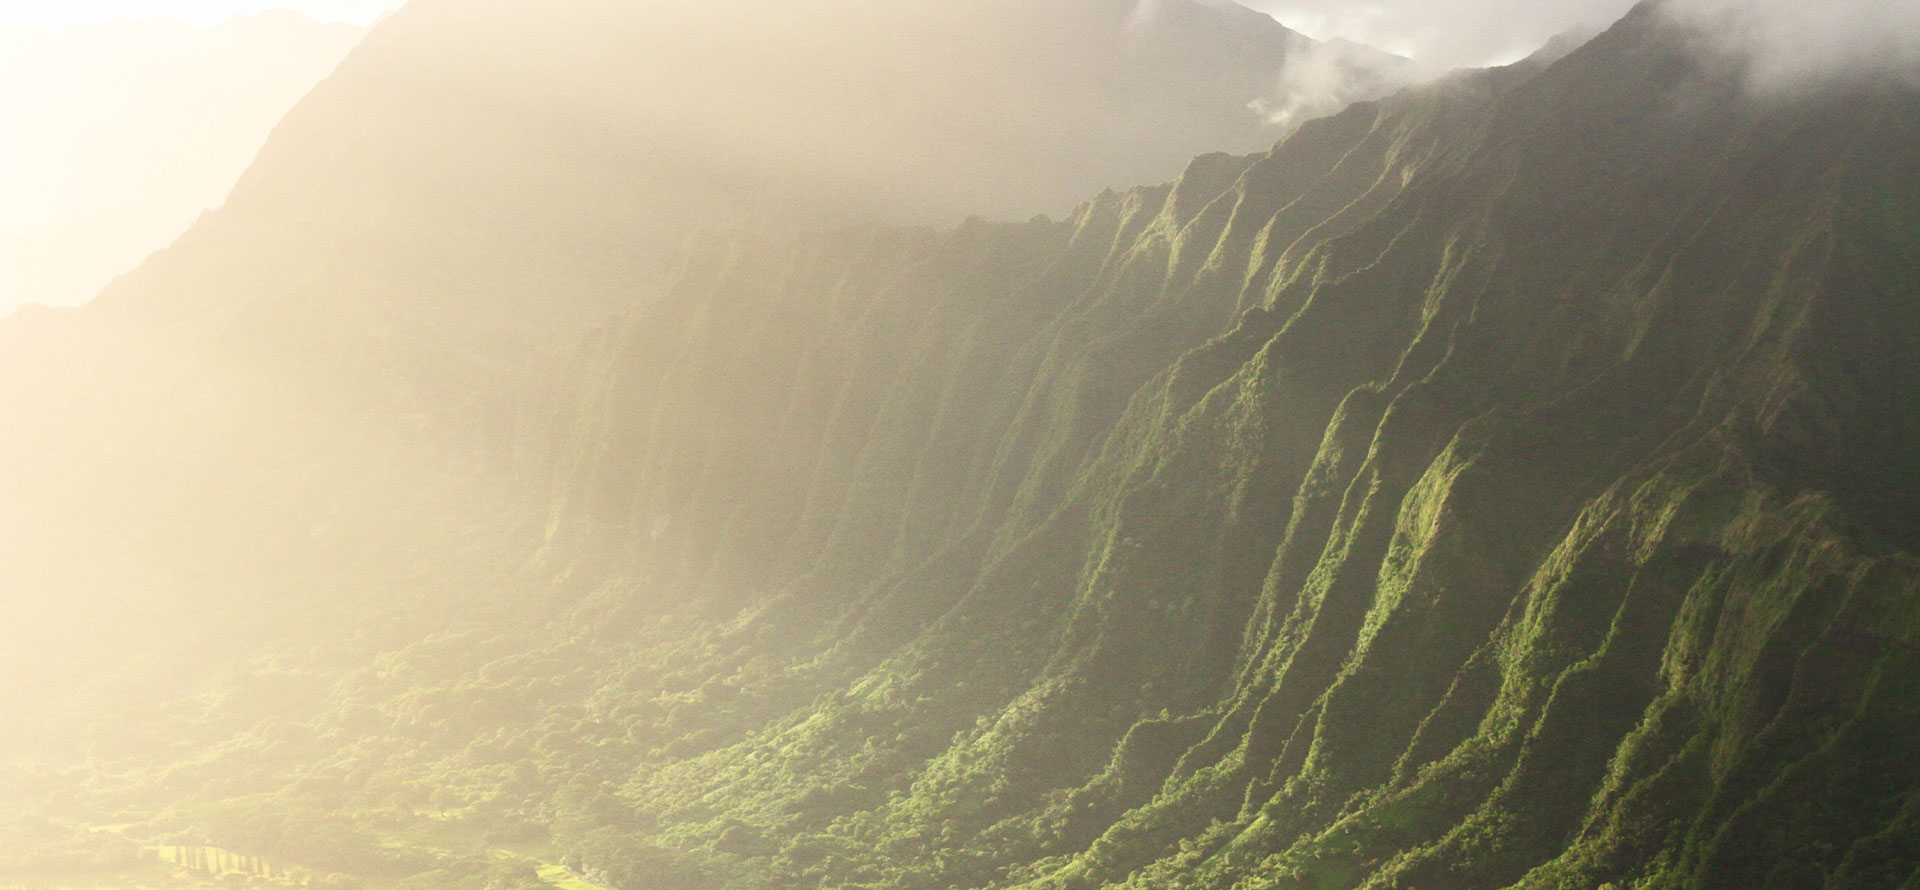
x=1509, y=483
x=1499, y=485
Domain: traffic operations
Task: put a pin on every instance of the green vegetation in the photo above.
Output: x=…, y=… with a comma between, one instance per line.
x=558, y=876
x=1509, y=484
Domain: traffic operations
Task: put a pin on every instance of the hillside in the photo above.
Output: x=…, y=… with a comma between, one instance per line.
x=1508, y=483
x=379, y=319
x=1505, y=484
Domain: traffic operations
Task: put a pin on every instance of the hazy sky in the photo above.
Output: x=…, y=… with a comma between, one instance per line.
x=206, y=13
x=1441, y=33
x=116, y=138
x=1437, y=32
x=1445, y=33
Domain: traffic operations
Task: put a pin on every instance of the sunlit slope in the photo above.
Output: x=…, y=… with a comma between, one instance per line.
x=1509, y=483
x=1505, y=484
x=359, y=350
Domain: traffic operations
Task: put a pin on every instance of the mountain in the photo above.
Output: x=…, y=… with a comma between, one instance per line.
x=562, y=151
x=478, y=186
x=1507, y=483
x=120, y=134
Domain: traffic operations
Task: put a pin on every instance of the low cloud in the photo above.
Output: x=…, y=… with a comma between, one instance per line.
x=1789, y=43
x=1791, y=46
x=1322, y=78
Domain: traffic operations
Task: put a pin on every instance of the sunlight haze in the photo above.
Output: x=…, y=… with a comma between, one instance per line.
x=960, y=445
x=121, y=133
x=203, y=13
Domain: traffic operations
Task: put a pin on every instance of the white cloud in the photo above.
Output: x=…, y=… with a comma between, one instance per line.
x=1325, y=77
x=1446, y=33
x=1800, y=44
x=1789, y=42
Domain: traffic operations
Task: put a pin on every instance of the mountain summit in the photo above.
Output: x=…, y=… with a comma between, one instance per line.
x=566, y=148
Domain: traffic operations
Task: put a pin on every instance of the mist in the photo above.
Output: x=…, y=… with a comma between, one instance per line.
x=1442, y=35
x=1789, y=43
x=1325, y=77
x=476, y=189
x=970, y=444
x=120, y=134
x=1797, y=46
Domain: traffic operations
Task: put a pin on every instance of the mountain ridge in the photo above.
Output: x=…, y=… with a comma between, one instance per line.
x=1478, y=489
x=435, y=292
x=1309, y=725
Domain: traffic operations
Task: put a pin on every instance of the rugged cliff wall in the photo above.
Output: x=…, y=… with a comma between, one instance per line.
x=1510, y=483
x=1504, y=484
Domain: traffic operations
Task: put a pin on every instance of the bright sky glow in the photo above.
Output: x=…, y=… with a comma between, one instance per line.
x=1450, y=33
x=204, y=13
